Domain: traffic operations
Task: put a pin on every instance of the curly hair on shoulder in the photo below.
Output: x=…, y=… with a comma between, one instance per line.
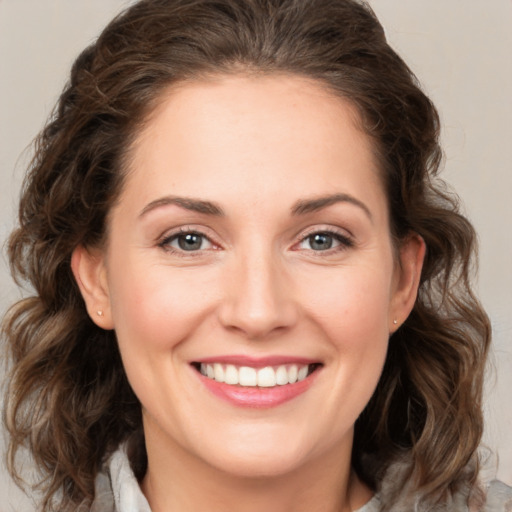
x=68, y=400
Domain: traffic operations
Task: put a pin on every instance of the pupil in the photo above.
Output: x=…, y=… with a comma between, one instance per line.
x=190, y=242
x=321, y=242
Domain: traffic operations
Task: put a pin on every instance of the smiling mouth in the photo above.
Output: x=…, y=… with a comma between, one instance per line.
x=247, y=376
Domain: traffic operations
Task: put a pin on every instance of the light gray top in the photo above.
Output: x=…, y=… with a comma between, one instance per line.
x=117, y=490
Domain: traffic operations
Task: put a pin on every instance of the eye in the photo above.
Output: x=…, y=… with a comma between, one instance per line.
x=325, y=240
x=187, y=241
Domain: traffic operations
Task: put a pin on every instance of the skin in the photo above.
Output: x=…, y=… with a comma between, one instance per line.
x=255, y=147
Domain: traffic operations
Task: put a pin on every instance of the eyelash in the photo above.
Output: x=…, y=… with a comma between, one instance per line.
x=345, y=242
x=165, y=242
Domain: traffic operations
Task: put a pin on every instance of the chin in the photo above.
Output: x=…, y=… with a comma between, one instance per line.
x=263, y=451
x=259, y=465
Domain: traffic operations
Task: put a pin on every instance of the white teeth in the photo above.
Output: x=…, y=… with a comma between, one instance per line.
x=266, y=377
x=303, y=373
x=281, y=376
x=292, y=373
x=246, y=376
x=231, y=375
x=218, y=372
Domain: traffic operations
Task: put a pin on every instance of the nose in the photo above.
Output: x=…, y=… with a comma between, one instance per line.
x=258, y=299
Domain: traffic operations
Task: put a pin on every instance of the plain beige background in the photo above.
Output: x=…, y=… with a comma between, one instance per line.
x=461, y=52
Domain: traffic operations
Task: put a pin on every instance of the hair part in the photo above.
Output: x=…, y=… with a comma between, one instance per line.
x=68, y=398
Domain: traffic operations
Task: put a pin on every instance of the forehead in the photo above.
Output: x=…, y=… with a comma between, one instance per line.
x=258, y=131
x=228, y=100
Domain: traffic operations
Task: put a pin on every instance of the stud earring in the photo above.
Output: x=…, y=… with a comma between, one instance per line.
x=395, y=321
x=99, y=312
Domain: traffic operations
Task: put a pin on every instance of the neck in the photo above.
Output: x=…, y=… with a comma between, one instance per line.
x=178, y=481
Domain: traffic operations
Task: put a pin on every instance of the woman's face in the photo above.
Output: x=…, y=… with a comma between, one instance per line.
x=249, y=274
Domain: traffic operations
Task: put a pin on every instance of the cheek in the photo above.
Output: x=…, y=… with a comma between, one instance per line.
x=155, y=309
x=351, y=305
x=349, y=308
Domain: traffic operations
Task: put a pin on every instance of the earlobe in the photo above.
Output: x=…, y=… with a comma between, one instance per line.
x=407, y=281
x=88, y=267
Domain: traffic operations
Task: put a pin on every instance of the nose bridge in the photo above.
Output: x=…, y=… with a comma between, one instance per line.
x=259, y=300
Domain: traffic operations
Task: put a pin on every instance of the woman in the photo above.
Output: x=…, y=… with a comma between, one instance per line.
x=250, y=291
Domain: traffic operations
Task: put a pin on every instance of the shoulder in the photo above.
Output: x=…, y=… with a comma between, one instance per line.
x=103, y=494
x=488, y=495
x=498, y=497
x=116, y=488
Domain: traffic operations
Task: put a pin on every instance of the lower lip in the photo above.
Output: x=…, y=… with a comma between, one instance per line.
x=257, y=397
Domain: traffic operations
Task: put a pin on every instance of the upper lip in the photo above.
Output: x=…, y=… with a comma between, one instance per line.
x=257, y=362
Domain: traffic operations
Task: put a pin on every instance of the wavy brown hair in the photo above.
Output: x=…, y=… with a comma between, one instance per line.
x=68, y=400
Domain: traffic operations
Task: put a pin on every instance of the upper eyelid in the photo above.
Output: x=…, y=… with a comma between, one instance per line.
x=325, y=229
x=204, y=231
x=343, y=237
x=164, y=243
x=183, y=230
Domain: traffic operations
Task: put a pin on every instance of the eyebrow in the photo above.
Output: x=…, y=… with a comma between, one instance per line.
x=194, y=205
x=312, y=205
x=301, y=207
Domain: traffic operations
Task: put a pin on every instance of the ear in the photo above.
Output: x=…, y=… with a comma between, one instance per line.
x=90, y=273
x=406, y=279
